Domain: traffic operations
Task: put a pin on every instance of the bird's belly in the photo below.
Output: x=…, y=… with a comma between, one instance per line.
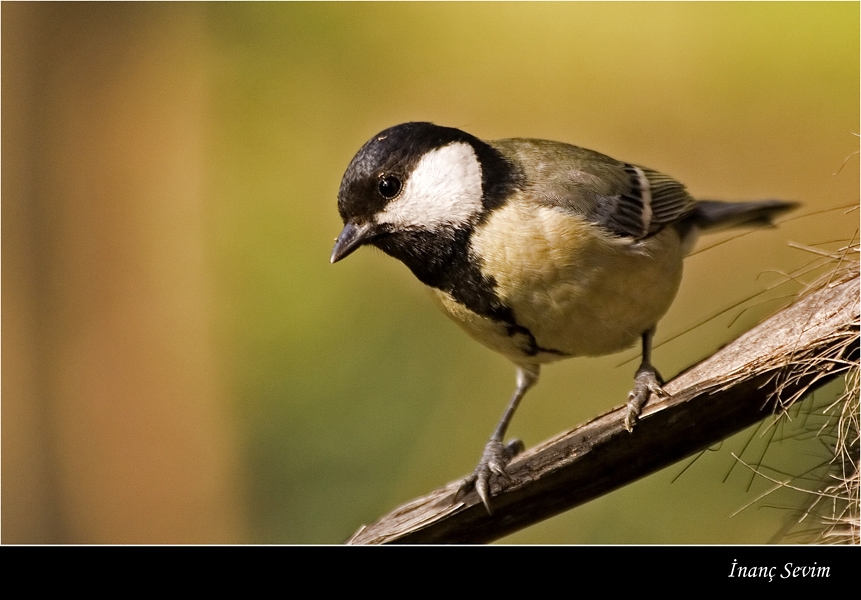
x=577, y=289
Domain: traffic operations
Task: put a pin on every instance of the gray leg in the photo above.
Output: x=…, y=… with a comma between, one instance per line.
x=646, y=381
x=496, y=455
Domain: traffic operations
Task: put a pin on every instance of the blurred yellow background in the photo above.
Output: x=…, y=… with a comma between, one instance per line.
x=180, y=362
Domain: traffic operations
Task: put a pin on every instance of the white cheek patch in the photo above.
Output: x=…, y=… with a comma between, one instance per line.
x=443, y=189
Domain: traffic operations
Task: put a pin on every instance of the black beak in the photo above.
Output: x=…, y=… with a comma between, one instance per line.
x=352, y=236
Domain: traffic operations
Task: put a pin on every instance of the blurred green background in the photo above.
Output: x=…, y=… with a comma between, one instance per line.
x=180, y=362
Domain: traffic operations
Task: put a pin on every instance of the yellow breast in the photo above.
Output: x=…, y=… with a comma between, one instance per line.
x=576, y=288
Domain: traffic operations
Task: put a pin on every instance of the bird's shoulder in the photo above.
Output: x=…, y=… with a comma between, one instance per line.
x=627, y=199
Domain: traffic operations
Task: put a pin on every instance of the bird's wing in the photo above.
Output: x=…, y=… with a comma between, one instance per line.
x=628, y=200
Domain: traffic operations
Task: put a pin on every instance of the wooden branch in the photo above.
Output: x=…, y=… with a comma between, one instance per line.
x=760, y=373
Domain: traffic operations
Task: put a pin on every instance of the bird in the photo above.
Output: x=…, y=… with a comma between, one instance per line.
x=539, y=250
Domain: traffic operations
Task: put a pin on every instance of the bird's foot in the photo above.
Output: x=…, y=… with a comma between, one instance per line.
x=494, y=459
x=646, y=381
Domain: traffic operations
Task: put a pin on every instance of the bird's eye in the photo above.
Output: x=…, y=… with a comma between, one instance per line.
x=389, y=186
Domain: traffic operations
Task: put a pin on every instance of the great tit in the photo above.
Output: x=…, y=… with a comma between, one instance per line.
x=539, y=250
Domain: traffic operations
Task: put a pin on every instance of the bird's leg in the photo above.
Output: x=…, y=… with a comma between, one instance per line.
x=496, y=455
x=646, y=381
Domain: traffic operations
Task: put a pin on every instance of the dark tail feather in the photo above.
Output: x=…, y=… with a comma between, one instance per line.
x=714, y=213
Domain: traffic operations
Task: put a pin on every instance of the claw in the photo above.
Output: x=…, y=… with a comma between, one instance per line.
x=481, y=490
x=493, y=461
x=496, y=456
x=647, y=381
x=497, y=470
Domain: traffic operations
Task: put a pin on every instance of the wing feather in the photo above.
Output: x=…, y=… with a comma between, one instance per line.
x=628, y=200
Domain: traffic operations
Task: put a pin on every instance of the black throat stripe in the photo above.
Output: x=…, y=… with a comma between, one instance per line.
x=449, y=267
